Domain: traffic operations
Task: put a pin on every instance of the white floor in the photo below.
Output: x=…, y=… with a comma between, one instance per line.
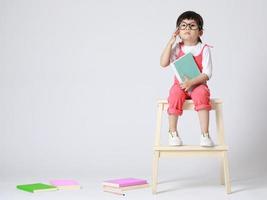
x=182, y=188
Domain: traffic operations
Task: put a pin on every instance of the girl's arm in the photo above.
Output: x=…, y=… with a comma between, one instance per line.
x=187, y=84
x=166, y=54
x=201, y=78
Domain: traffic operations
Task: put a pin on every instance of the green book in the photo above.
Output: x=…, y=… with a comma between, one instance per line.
x=185, y=66
x=36, y=187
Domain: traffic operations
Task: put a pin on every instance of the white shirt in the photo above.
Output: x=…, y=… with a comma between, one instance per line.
x=196, y=50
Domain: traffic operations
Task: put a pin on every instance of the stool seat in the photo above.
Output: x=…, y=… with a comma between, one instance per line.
x=189, y=104
x=219, y=150
x=213, y=100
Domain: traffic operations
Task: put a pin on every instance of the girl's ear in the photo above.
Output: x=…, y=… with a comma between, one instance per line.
x=201, y=33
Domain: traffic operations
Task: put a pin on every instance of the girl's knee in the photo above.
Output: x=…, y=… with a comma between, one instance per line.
x=176, y=92
x=201, y=97
x=201, y=91
x=175, y=111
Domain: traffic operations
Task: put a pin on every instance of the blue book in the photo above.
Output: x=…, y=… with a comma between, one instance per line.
x=185, y=66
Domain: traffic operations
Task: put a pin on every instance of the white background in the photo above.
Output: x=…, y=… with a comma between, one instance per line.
x=79, y=81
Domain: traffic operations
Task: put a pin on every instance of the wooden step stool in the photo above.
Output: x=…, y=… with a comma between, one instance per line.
x=190, y=150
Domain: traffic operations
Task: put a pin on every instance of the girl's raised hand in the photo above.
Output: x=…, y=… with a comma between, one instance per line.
x=173, y=38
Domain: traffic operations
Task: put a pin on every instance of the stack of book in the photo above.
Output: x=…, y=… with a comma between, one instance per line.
x=119, y=186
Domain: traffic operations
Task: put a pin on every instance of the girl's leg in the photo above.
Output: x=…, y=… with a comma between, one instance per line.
x=201, y=97
x=203, y=116
x=173, y=119
x=205, y=139
x=174, y=139
x=176, y=100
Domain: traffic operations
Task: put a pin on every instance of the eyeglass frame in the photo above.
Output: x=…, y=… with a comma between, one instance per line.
x=188, y=25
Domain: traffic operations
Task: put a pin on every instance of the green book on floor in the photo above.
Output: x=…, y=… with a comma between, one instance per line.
x=36, y=187
x=185, y=66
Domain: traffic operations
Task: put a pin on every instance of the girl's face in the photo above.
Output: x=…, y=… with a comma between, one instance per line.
x=189, y=31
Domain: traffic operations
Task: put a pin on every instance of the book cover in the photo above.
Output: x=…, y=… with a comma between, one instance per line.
x=121, y=190
x=124, y=182
x=36, y=187
x=118, y=192
x=185, y=66
x=65, y=184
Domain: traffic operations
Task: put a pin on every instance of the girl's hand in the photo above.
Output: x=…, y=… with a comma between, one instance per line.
x=186, y=85
x=173, y=38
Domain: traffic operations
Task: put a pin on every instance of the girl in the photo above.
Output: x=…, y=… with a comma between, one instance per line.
x=189, y=29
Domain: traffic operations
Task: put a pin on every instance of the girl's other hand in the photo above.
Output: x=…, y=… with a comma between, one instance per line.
x=186, y=85
x=173, y=38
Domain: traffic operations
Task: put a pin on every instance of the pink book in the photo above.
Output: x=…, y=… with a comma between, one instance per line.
x=59, y=183
x=65, y=184
x=124, y=182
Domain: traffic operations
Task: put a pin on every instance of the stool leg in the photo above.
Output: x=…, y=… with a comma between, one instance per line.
x=155, y=172
x=222, y=170
x=156, y=153
x=226, y=173
x=159, y=121
x=219, y=124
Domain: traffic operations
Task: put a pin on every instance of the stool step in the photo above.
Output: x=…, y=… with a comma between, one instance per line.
x=190, y=148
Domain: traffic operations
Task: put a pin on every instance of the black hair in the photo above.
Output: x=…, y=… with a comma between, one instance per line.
x=191, y=15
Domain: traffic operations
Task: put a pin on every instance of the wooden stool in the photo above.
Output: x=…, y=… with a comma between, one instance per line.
x=191, y=150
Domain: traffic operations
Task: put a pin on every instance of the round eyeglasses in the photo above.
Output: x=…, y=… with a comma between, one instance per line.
x=191, y=26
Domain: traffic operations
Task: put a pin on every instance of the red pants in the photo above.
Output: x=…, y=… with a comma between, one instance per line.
x=177, y=96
